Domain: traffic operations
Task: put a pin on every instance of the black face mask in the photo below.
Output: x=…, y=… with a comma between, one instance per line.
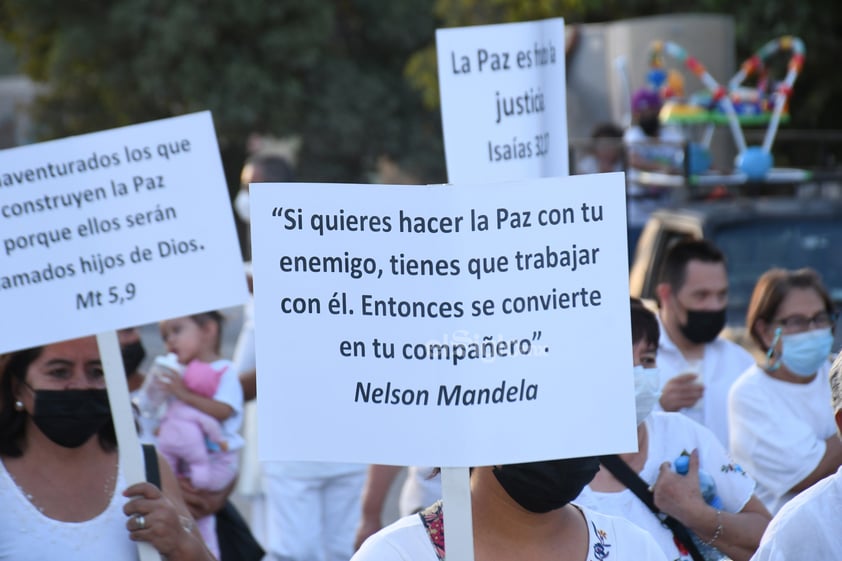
x=133, y=355
x=650, y=125
x=544, y=486
x=703, y=326
x=70, y=417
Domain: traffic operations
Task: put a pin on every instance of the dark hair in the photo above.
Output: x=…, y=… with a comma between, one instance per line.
x=273, y=167
x=13, y=367
x=771, y=289
x=606, y=130
x=644, y=324
x=674, y=268
x=214, y=316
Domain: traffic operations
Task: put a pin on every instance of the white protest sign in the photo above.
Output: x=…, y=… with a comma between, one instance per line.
x=503, y=101
x=115, y=229
x=443, y=325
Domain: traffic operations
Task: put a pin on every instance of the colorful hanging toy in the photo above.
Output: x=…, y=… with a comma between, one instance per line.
x=756, y=161
x=735, y=105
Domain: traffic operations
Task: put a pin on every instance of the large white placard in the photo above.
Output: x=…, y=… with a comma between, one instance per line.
x=114, y=229
x=443, y=325
x=503, y=101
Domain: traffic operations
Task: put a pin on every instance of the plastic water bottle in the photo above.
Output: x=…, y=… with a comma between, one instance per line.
x=708, y=488
x=153, y=395
x=706, y=483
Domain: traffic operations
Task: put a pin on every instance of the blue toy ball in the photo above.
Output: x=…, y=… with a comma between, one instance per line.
x=656, y=77
x=699, y=159
x=754, y=162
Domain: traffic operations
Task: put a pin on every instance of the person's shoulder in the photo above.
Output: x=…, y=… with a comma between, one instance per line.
x=749, y=381
x=828, y=489
x=404, y=539
x=809, y=511
x=622, y=538
x=679, y=426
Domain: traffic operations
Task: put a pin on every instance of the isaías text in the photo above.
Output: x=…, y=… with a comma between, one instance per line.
x=448, y=395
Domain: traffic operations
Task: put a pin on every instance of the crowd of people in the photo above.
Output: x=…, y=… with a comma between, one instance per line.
x=758, y=442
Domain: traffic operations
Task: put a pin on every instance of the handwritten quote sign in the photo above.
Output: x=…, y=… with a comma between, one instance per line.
x=486, y=313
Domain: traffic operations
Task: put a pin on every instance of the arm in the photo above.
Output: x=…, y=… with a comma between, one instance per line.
x=736, y=534
x=377, y=485
x=249, y=382
x=168, y=526
x=202, y=502
x=216, y=409
x=828, y=465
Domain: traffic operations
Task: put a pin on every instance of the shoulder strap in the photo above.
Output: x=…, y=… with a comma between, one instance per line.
x=433, y=519
x=628, y=477
x=150, y=458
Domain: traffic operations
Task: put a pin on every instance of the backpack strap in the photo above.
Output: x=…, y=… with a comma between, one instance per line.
x=150, y=459
x=628, y=477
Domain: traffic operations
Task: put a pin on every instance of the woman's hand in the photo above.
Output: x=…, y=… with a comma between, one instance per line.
x=155, y=519
x=679, y=495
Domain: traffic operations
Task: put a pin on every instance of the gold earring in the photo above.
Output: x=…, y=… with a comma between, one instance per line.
x=18, y=405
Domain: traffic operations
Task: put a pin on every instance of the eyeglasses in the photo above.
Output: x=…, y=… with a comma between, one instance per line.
x=798, y=323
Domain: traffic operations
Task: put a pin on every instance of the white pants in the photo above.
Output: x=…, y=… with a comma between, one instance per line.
x=312, y=518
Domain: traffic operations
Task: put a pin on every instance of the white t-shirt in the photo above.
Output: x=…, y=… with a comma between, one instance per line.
x=669, y=435
x=230, y=392
x=721, y=365
x=778, y=430
x=807, y=527
x=610, y=538
x=28, y=535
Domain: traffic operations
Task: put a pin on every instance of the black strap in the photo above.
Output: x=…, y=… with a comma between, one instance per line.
x=628, y=477
x=150, y=458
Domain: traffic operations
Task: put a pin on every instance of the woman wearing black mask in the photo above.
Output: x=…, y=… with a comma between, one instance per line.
x=63, y=494
x=733, y=521
x=520, y=511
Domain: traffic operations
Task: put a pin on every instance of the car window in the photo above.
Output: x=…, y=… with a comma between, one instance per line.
x=754, y=247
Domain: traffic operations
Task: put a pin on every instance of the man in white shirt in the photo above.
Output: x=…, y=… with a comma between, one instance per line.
x=807, y=527
x=697, y=366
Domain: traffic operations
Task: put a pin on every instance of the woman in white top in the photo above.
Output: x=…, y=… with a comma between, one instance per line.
x=520, y=511
x=735, y=526
x=62, y=492
x=780, y=419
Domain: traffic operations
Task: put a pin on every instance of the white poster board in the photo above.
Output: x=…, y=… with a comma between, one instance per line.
x=503, y=101
x=115, y=229
x=442, y=325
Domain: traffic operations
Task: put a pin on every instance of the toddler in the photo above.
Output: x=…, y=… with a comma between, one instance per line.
x=199, y=431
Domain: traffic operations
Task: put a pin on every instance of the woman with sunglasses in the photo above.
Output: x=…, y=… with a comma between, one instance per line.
x=781, y=422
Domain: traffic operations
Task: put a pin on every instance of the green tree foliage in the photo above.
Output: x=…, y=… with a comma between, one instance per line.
x=330, y=72
x=348, y=76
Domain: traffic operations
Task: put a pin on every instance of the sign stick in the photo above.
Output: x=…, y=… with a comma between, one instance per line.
x=128, y=444
x=458, y=522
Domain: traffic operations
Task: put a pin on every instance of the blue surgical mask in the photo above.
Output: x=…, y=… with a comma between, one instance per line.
x=803, y=353
x=647, y=385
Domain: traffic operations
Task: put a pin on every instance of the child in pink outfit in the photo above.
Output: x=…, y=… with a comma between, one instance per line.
x=199, y=432
x=192, y=441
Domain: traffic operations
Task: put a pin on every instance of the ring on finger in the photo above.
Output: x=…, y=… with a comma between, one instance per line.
x=140, y=520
